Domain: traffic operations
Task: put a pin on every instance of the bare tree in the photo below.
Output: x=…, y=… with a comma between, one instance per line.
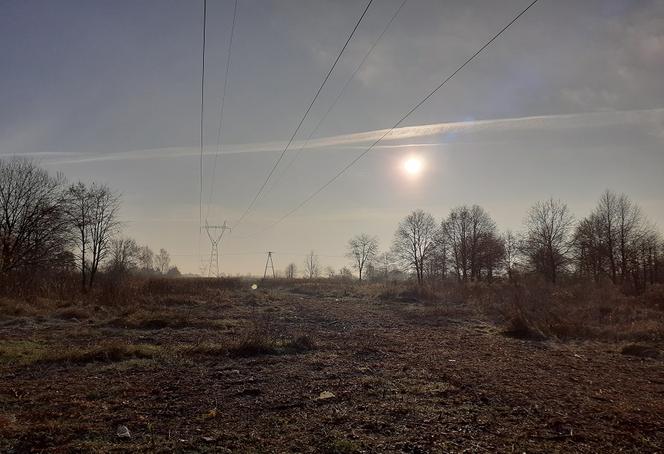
x=291, y=271
x=609, y=239
x=311, y=265
x=491, y=255
x=125, y=255
x=345, y=274
x=33, y=227
x=385, y=264
x=658, y=265
x=362, y=250
x=548, y=239
x=105, y=205
x=645, y=260
x=472, y=238
x=632, y=229
x=79, y=214
x=146, y=259
x=330, y=272
x=162, y=261
x=414, y=242
x=605, y=220
x=438, y=265
x=512, y=248
x=591, y=250
x=93, y=211
x=173, y=272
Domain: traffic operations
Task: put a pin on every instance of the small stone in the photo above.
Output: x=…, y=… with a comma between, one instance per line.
x=326, y=395
x=123, y=432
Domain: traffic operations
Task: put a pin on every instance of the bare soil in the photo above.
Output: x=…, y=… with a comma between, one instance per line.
x=396, y=376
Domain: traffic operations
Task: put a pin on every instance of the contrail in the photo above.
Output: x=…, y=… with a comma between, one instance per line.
x=651, y=117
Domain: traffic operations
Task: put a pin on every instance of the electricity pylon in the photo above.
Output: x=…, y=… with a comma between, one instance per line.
x=271, y=265
x=215, y=239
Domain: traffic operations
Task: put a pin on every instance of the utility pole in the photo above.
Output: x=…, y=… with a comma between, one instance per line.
x=271, y=265
x=215, y=233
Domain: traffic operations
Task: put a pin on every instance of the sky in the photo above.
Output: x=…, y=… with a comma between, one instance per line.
x=566, y=103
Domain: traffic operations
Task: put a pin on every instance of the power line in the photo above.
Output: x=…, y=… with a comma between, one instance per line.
x=221, y=107
x=398, y=123
x=293, y=254
x=341, y=92
x=200, y=194
x=327, y=76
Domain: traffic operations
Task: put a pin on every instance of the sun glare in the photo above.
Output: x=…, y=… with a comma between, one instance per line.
x=413, y=165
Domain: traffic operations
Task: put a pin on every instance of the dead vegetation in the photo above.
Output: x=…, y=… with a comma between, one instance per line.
x=34, y=353
x=641, y=351
x=581, y=312
x=402, y=368
x=106, y=353
x=536, y=310
x=255, y=343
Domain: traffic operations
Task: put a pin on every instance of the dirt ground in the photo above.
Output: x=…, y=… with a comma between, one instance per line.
x=374, y=375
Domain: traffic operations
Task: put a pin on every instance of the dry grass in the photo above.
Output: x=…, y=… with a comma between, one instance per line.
x=578, y=312
x=531, y=310
x=14, y=308
x=641, y=351
x=18, y=307
x=396, y=357
x=334, y=445
x=106, y=353
x=157, y=286
x=254, y=343
x=410, y=293
x=155, y=319
x=21, y=352
x=30, y=353
x=654, y=296
x=72, y=313
x=535, y=310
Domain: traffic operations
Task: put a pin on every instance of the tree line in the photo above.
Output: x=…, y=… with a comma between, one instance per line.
x=50, y=226
x=615, y=242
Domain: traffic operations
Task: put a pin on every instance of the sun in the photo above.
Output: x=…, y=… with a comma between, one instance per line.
x=413, y=165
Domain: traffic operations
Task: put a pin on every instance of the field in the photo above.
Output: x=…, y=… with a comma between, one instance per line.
x=213, y=366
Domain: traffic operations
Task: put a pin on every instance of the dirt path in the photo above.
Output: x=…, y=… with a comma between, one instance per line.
x=403, y=380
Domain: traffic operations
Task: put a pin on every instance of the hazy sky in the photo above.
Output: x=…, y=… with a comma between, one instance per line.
x=567, y=103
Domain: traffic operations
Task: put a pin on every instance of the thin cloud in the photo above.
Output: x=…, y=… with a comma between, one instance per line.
x=652, y=118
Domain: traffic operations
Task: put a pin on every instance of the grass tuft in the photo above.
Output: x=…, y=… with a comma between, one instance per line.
x=26, y=353
x=72, y=313
x=340, y=446
x=641, y=351
x=254, y=343
x=106, y=353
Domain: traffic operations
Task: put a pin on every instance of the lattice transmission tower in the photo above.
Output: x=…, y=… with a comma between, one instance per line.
x=215, y=233
x=269, y=264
